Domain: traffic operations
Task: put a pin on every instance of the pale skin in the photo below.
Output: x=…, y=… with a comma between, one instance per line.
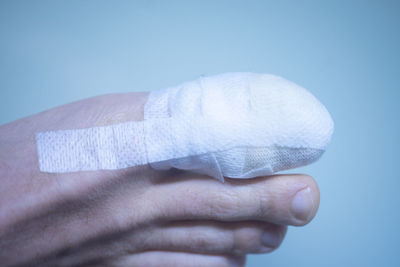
x=135, y=216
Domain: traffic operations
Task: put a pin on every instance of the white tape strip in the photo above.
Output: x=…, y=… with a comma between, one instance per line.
x=109, y=147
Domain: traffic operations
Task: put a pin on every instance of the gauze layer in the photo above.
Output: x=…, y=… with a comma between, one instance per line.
x=237, y=125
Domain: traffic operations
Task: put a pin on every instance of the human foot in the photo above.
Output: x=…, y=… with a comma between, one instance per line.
x=136, y=216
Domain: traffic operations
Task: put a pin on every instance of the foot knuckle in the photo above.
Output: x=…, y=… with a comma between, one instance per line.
x=247, y=240
x=224, y=204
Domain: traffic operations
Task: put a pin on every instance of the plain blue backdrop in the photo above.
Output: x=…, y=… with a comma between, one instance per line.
x=345, y=52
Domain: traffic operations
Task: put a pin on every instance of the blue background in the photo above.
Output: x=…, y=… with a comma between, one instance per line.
x=345, y=52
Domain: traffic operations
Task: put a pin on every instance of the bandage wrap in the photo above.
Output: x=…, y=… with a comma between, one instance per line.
x=237, y=125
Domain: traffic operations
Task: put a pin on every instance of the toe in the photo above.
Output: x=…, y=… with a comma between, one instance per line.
x=167, y=259
x=280, y=199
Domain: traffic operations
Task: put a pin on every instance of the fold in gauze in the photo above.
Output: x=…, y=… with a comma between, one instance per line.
x=237, y=125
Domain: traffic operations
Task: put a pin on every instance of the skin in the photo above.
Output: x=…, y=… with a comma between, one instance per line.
x=135, y=216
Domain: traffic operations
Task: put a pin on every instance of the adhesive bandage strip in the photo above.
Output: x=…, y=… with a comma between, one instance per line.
x=237, y=125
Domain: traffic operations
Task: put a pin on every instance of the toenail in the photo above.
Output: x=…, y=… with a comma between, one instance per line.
x=303, y=204
x=270, y=240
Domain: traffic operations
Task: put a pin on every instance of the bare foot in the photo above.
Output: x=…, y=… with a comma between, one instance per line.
x=136, y=216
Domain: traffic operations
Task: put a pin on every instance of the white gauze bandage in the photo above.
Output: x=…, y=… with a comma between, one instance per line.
x=237, y=125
